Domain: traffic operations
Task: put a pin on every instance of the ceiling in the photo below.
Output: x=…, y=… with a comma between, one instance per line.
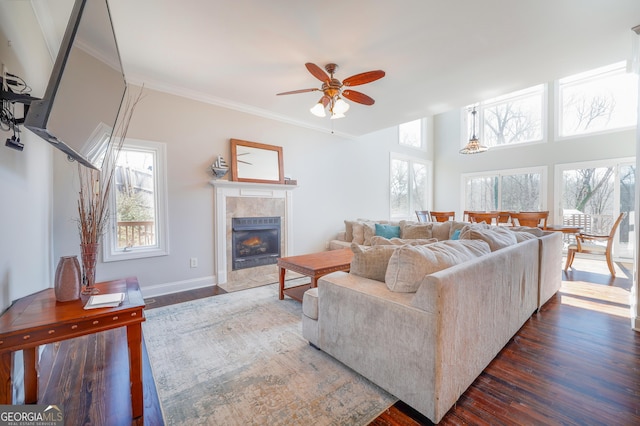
x=438, y=55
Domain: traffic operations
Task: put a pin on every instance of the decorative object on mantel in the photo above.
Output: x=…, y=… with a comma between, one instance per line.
x=93, y=200
x=219, y=168
x=256, y=162
x=473, y=146
x=68, y=279
x=289, y=181
x=332, y=90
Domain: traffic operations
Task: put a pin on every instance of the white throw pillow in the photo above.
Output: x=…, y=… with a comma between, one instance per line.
x=408, y=265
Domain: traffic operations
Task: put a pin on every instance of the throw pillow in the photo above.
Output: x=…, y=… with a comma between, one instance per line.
x=523, y=236
x=378, y=240
x=495, y=236
x=348, y=230
x=371, y=262
x=456, y=234
x=408, y=265
x=415, y=230
x=441, y=230
x=387, y=231
x=358, y=233
x=369, y=232
x=456, y=225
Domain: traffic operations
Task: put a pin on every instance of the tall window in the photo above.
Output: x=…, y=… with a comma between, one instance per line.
x=138, y=225
x=510, y=119
x=409, y=185
x=593, y=194
x=596, y=101
x=410, y=134
x=512, y=190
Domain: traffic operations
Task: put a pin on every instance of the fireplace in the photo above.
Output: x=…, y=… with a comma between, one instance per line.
x=255, y=241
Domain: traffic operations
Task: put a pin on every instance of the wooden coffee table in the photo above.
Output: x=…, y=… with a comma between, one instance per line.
x=313, y=265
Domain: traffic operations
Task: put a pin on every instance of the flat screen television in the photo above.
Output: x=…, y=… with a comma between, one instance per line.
x=85, y=91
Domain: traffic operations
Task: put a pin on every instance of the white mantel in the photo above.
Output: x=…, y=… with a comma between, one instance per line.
x=224, y=189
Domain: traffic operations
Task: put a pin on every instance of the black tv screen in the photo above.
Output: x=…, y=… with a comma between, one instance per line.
x=85, y=91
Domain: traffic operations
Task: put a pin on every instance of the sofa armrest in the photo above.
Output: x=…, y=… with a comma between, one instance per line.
x=550, y=266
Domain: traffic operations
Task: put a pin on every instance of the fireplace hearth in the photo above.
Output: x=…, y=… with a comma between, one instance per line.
x=255, y=241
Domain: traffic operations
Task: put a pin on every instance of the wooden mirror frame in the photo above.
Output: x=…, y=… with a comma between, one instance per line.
x=270, y=175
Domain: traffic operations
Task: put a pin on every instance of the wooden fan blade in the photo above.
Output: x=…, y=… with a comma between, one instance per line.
x=318, y=72
x=363, y=78
x=358, y=97
x=297, y=91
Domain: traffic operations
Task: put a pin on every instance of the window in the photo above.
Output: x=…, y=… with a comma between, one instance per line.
x=593, y=194
x=509, y=190
x=410, y=134
x=409, y=185
x=597, y=101
x=510, y=119
x=139, y=226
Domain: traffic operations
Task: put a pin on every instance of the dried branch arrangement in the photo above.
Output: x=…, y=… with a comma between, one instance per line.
x=95, y=186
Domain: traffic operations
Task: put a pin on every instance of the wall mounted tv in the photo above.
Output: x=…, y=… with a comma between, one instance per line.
x=86, y=88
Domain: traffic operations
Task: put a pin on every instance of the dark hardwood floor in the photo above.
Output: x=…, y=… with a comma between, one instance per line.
x=576, y=362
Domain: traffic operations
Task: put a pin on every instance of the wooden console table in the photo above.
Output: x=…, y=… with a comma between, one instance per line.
x=38, y=319
x=313, y=265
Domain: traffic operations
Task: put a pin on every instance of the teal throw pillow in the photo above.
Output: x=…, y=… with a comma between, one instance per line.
x=456, y=234
x=387, y=231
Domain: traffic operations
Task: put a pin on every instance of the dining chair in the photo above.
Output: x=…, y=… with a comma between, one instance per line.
x=487, y=217
x=442, y=216
x=504, y=218
x=530, y=219
x=588, y=243
x=423, y=215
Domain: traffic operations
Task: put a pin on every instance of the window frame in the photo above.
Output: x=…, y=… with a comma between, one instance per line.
x=466, y=122
x=410, y=214
x=110, y=251
x=542, y=170
x=599, y=72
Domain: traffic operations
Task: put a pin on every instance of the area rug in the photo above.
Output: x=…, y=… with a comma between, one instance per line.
x=240, y=358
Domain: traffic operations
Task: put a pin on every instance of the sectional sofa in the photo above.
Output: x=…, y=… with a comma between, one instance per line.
x=425, y=327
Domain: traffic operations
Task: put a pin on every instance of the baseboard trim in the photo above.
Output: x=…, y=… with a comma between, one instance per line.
x=177, y=286
x=636, y=324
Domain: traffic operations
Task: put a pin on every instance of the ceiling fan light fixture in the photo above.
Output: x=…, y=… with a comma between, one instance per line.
x=473, y=146
x=318, y=110
x=340, y=106
x=336, y=115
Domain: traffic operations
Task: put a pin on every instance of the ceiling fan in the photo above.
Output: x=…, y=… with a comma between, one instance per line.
x=333, y=90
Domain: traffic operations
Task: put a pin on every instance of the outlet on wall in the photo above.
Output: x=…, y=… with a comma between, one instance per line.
x=194, y=262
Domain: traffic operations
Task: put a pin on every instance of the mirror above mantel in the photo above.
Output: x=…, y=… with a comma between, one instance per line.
x=256, y=162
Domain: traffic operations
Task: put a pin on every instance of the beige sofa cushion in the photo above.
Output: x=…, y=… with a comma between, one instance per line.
x=378, y=240
x=310, y=303
x=415, y=230
x=497, y=237
x=409, y=264
x=371, y=262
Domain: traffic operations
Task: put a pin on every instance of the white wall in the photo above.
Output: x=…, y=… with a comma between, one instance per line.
x=26, y=264
x=338, y=179
x=449, y=164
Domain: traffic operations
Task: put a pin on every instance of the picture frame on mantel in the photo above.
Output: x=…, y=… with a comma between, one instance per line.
x=256, y=162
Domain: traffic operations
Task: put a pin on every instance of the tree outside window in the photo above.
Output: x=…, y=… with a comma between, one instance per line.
x=409, y=183
x=599, y=100
x=410, y=134
x=511, y=119
x=516, y=190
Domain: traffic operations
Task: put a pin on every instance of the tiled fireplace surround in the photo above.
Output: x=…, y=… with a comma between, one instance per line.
x=242, y=199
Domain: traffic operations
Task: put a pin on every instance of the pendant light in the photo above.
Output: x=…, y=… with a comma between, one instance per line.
x=473, y=146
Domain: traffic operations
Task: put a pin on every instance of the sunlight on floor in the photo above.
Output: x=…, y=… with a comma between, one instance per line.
x=608, y=296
